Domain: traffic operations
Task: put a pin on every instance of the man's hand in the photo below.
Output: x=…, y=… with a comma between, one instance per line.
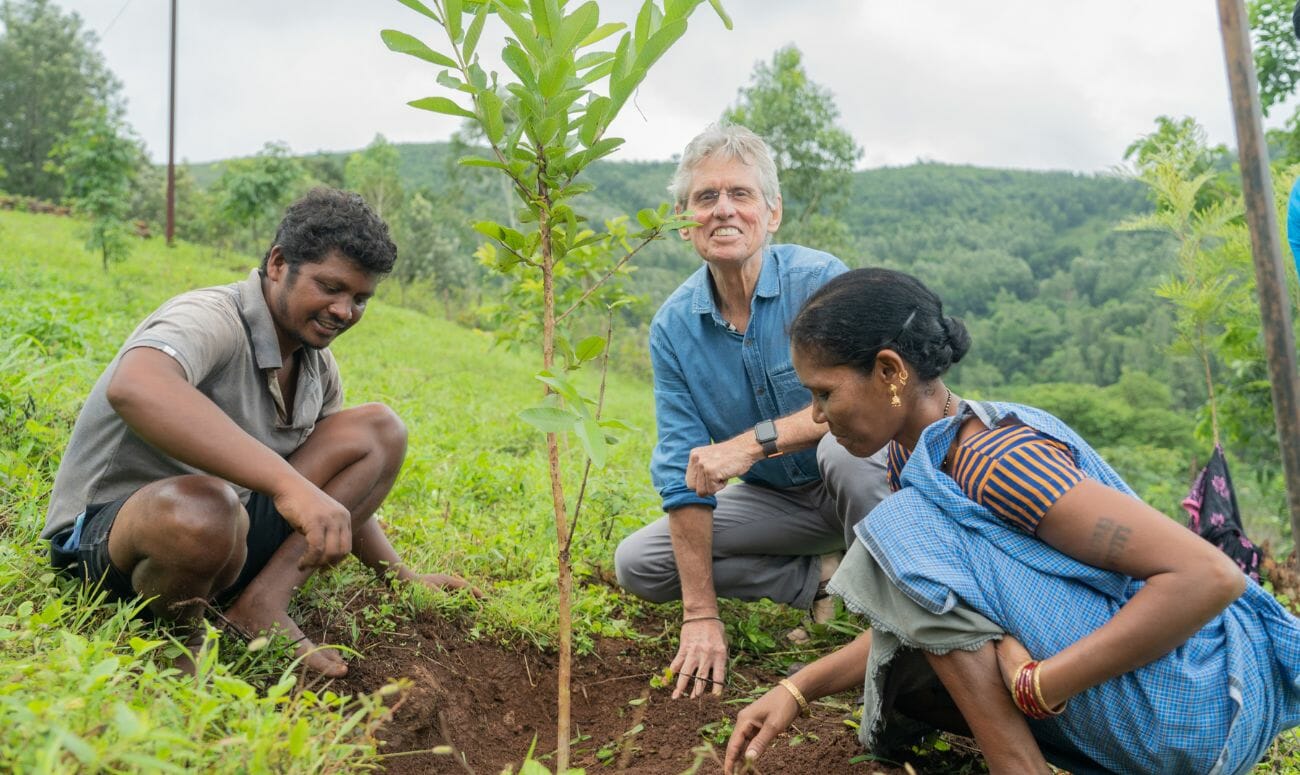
x=756, y=726
x=323, y=521
x=447, y=582
x=710, y=468
x=701, y=658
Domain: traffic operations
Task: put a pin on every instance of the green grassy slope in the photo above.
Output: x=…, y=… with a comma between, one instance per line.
x=473, y=500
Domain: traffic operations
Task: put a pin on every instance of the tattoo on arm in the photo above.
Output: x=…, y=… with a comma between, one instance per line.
x=1109, y=540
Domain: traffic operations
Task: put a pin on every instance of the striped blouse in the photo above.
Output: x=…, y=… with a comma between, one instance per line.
x=1012, y=470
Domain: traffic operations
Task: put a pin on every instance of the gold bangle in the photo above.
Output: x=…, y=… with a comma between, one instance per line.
x=1038, y=695
x=798, y=695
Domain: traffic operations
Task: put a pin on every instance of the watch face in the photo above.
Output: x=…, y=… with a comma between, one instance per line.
x=765, y=432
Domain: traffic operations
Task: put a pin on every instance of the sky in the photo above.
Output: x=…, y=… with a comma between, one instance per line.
x=1027, y=84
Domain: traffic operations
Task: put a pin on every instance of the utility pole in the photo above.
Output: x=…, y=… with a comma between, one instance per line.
x=1270, y=280
x=171, y=137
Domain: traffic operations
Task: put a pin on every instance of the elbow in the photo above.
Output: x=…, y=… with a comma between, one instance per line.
x=1223, y=581
x=121, y=392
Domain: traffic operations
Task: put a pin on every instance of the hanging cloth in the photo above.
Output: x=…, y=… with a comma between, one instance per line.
x=1212, y=513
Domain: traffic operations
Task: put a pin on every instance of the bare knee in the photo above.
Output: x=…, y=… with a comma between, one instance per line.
x=383, y=432
x=199, y=521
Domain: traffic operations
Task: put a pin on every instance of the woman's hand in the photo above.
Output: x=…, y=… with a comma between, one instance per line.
x=756, y=726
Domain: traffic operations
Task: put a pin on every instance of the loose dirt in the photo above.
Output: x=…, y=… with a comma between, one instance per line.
x=488, y=703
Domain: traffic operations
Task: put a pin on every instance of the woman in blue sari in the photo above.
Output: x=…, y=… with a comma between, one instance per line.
x=1065, y=619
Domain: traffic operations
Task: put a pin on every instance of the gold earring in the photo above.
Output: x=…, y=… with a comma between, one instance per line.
x=902, y=378
x=894, y=400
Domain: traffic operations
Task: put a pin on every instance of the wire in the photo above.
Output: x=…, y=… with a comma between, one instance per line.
x=115, y=18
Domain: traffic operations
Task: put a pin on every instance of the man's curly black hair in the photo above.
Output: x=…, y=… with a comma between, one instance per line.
x=326, y=220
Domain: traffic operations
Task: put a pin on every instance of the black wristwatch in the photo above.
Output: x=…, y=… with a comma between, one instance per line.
x=765, y=435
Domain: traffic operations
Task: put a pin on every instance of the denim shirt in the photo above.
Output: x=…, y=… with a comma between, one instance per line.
x=713, y=383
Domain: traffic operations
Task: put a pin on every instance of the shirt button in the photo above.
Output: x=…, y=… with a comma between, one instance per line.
x=761, y=391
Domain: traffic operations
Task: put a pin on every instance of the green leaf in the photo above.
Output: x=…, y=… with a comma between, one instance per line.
x=576, y=26
x=602, y=148
x=441, y=105
x=560, y=385
x=657, y=45
x=600, y=33
x=592, y=439
x=445, y=78
x=454, y=29
x=589, y=348
x=524, y=30
x=549, y=419
x=493, y=123
x=298, y=738
x=479, y=161
x=474, y=31
x=406, y=44
x=618, y=425
x=489, y=229
x=593, y=121
x=517, y=61
x=647, y=23
x=722, y=14
x=416, y=5
x=554, y=72
x=648, y=218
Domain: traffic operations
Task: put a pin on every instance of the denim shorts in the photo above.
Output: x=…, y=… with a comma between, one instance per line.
x=81, y=551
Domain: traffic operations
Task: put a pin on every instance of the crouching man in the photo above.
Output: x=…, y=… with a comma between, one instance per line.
x=214, y=460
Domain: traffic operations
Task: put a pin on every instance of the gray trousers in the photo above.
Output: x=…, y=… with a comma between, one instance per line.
x=766, y=542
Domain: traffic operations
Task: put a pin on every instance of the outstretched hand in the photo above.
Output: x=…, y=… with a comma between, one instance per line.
x=448, y=582
x=701, y=658
x=756, y=726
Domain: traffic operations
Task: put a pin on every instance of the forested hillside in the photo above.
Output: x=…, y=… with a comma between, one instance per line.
x=1030, y=259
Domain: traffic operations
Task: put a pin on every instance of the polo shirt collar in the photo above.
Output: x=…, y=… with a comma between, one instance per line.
x=769, y=284
x=257, y=316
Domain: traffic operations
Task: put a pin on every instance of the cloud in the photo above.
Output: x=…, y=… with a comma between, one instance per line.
x=1008, y=83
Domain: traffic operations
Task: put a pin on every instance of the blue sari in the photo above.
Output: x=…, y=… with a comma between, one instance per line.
x=1214, y=704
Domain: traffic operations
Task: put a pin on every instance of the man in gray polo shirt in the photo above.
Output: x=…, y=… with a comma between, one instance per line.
x=214, y=460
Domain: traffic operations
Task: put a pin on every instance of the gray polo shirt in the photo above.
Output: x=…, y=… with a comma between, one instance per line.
x=224, y=339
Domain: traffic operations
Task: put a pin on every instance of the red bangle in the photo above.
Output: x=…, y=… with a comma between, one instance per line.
x=1028, y=695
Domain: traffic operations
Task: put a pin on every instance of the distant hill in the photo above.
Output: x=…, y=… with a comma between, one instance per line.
x=1031, y=259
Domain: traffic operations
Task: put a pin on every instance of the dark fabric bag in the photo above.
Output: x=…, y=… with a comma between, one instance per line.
x=1212, y=513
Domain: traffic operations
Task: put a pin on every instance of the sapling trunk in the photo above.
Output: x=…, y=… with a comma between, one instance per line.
x=565, y=581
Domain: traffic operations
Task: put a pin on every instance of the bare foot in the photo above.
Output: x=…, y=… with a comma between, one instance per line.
x=258, y=620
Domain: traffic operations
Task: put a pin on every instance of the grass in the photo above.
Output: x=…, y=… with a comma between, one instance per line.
x=86, y=688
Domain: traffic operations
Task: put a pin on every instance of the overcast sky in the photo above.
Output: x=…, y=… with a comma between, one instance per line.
x=1006, y=83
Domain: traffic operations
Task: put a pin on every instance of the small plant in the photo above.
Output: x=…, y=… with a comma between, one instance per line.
x=543, y=128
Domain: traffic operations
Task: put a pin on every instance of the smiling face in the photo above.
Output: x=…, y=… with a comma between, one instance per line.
x=855, y=406
x=727, y=201
x=314, y=304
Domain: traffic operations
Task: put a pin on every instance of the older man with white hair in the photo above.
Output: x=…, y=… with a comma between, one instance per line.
x=729, y=405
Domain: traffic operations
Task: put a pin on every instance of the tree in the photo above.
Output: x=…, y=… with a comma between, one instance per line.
x=258, y=187
x=796, y=116
x=1277, y=55
x=428, y=252
x=373, y=173
x=99, y=160
x=50, y=75
x=557, y=111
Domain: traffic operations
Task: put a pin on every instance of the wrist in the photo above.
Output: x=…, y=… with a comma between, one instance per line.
x=765, y=438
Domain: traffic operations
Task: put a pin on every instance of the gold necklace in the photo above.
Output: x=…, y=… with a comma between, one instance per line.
x=947, y=402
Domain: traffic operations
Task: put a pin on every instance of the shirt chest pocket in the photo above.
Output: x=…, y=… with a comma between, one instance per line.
x=790, y=394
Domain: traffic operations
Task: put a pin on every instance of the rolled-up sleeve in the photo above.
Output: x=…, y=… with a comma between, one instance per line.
x=680, y=426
